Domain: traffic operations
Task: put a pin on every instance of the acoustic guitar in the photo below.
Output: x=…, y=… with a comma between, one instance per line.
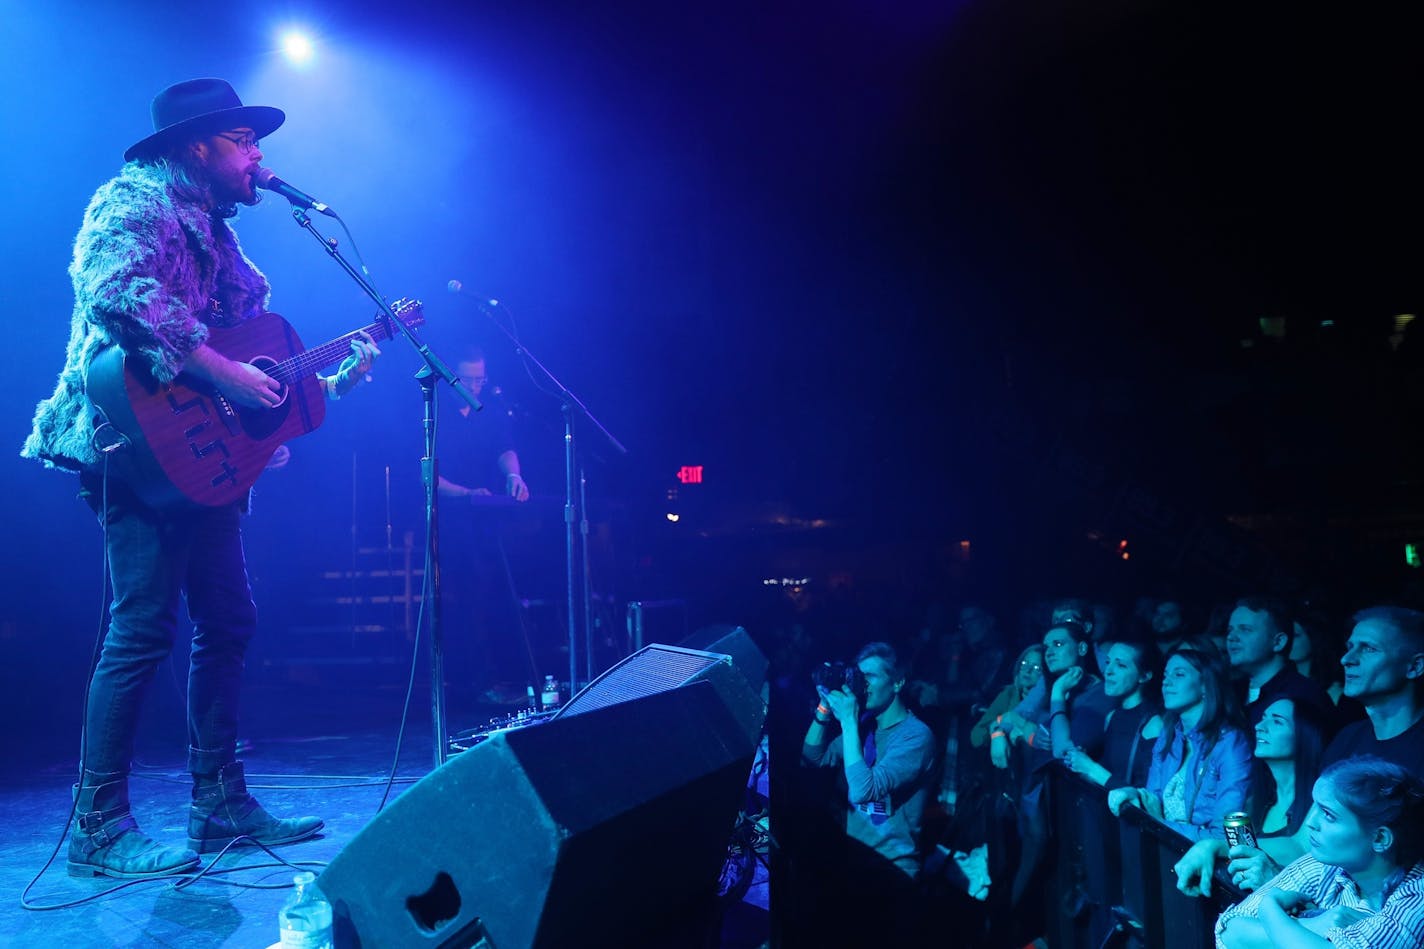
x=184, y=443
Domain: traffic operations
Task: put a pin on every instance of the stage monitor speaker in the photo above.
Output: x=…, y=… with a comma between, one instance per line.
x=733, y=641
x=604, y=826
x=657, y=667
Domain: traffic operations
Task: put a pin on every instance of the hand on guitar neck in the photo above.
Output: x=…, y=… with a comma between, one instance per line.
x=241, y=382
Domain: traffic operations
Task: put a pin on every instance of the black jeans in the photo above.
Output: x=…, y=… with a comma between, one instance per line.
x=155, y=558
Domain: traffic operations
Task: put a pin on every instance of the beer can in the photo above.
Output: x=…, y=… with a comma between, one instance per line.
x=1237, y=826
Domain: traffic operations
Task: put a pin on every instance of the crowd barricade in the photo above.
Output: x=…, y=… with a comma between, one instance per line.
x=1112, y=882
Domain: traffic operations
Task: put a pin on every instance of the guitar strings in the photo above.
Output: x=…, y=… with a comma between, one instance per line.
x=308, y=362
x=305, y=363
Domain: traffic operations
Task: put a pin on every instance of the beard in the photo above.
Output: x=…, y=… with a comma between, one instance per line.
x=229, y=186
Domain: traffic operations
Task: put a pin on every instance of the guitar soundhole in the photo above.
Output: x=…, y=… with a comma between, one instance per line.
x=267, y=364
x=261, y=423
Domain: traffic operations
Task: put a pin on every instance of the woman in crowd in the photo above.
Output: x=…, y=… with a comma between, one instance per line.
x=1028, y=670
x=1066, y=655
x=1121, y=746
x=1290, y=741
x=1066, y=668
x=972, y=771
x=1064, y=611
x=1121, y=755
x=1201, y=763
x=1361, y=884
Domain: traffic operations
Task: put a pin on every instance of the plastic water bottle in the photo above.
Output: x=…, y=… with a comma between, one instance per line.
x=550, y=698
x=306, y=916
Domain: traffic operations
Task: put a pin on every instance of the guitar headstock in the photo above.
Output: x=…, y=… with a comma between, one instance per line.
x=410, y=312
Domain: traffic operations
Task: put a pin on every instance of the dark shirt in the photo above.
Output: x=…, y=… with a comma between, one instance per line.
x=1088, y=709
x=1290, y=684
x=1358, y=738
x=469, y=446
x=1123, y=734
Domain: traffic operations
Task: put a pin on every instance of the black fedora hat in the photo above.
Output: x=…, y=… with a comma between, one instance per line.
x=190, y=107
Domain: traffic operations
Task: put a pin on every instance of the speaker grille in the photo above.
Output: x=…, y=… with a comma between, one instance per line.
x=650, y=670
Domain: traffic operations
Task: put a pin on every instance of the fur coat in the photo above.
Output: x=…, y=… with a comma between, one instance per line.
x=151, y=272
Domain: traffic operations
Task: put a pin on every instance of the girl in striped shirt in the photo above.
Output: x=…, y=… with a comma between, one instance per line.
x=1361, y=881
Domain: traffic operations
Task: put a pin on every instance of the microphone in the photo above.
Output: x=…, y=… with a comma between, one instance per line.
x=458, y=288
x=265, y=179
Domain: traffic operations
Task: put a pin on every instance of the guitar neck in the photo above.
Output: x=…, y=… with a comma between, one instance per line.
x=304, y=364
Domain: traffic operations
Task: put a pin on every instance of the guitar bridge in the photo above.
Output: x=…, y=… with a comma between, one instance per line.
x=227, y=413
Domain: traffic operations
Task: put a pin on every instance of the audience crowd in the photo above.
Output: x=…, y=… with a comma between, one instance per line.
x=1308, y=727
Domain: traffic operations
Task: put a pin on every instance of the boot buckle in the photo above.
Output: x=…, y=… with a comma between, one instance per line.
x=102, y=830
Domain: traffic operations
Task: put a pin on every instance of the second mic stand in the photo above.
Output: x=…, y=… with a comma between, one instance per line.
x=572, y=507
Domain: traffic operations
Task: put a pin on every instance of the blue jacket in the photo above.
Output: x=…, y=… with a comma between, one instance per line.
x=1215, y=785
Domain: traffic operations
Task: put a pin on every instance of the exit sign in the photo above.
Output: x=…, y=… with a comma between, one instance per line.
x=690, y=474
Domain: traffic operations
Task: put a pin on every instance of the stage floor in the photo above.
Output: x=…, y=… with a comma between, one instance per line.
x=338, y=776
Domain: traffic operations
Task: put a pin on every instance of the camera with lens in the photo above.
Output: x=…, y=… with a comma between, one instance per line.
x=841, y=675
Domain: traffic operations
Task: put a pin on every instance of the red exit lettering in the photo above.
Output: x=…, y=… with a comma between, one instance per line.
x=690, y=474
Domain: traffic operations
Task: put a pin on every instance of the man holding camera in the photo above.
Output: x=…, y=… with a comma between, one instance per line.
x=887, y=754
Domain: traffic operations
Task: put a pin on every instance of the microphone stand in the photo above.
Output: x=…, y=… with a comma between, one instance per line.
x=587, y=578
x=434, y=370
x=572, y=506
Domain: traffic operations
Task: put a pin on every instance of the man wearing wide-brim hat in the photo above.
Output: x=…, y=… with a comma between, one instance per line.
x=156, y=263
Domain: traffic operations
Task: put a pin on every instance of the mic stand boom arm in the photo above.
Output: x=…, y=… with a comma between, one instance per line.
x=435, y=369
x=572, y=507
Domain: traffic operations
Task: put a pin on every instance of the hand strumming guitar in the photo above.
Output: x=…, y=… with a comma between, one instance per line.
x=239, y=382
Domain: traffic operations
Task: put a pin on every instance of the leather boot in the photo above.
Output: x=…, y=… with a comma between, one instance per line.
x=222, y=811
x=106, y=840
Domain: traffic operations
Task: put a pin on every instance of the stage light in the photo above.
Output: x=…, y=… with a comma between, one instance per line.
x=298, y=47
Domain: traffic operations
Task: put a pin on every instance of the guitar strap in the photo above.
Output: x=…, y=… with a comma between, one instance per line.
x=1136, y=743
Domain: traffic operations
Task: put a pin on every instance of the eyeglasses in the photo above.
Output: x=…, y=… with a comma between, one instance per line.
x=246, y=142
